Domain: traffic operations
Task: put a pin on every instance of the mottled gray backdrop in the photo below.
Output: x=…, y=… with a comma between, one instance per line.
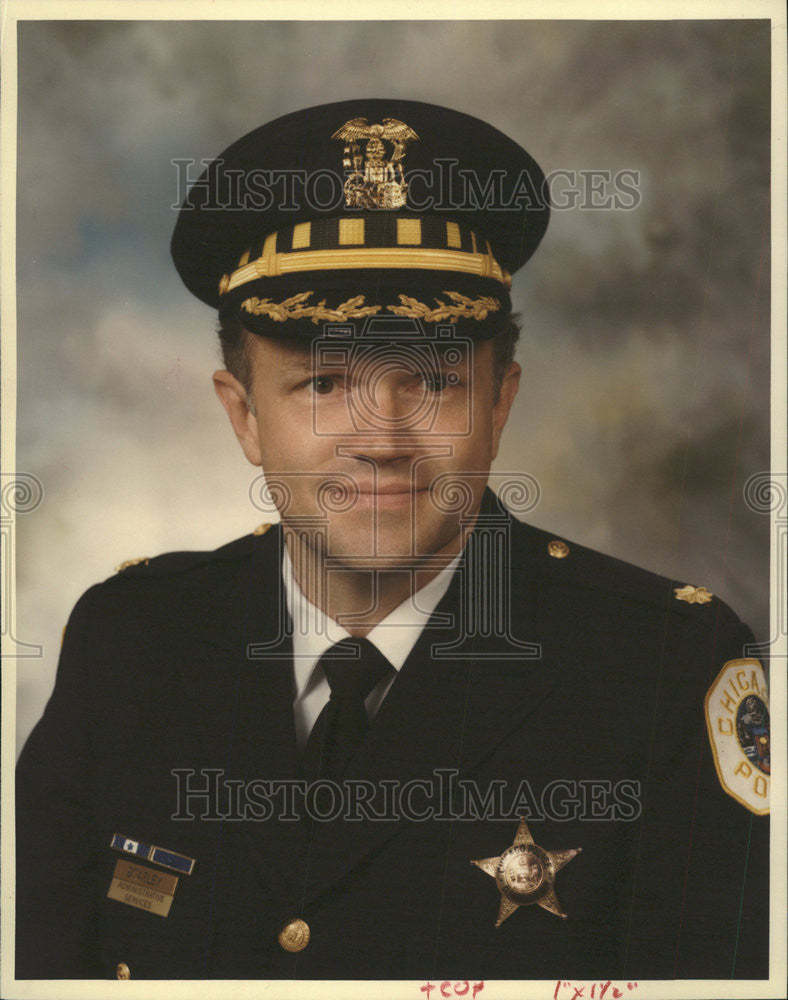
x=644, y=407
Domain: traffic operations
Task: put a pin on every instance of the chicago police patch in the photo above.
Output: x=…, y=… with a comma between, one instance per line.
x=737, y=716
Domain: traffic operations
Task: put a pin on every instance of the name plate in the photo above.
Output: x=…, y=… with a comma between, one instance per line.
x=143, y=888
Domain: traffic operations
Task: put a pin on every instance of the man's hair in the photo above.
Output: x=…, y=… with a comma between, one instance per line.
x=234, y=340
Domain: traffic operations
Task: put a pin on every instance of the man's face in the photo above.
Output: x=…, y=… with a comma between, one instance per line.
x=380, y=453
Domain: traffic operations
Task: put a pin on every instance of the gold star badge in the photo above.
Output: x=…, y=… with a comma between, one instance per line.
x=525, y=874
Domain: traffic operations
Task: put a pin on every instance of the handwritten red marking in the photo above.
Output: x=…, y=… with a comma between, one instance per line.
x=605, y=989
x=460, y=989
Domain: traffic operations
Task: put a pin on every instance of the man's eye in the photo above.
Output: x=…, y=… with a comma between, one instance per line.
x=322, y=384
x=436, y=381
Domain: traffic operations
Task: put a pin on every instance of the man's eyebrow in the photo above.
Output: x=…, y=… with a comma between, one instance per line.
x=311, y=363
x=298, y=365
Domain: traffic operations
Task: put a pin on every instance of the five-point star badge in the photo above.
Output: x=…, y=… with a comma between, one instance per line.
x=525, y=874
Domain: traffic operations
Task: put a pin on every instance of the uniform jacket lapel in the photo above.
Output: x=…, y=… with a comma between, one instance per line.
x=241, y=689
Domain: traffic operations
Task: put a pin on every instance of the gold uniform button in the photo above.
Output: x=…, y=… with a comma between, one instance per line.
x=295, y=935
x=557, y=549
x=123, y=971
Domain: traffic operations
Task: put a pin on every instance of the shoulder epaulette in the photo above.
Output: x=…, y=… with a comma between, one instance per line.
x=173, y=563
x=163, y=565
x=567, y=562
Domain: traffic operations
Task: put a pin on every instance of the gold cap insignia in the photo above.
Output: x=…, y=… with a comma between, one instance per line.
x=558, y=549
x=261, y=529
x=374, y=181
x=525, y=874
x=693, y=595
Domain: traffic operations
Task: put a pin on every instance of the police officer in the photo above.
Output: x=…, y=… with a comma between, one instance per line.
x=401, y=734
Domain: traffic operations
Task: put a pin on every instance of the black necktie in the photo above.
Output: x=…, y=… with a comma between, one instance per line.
x=352, y=667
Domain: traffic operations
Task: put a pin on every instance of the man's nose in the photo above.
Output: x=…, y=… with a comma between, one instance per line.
x=388, y=421
x=396, y=405
x=380, y=405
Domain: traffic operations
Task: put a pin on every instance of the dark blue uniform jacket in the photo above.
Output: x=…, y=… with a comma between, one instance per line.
x=566, y=690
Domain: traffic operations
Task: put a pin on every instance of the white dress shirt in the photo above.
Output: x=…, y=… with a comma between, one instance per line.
x=314, y=632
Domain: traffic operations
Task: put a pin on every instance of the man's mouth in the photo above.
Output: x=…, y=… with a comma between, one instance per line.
x=389, y=495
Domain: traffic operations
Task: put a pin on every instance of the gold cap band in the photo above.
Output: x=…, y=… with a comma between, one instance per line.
x=435, y=246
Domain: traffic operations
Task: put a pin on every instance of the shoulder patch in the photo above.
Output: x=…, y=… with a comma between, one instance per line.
x=737, y=716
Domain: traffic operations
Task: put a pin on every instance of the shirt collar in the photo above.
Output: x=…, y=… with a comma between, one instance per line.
x=395, y=636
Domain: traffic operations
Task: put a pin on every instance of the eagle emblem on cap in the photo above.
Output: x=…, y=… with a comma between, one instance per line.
x=376, y=178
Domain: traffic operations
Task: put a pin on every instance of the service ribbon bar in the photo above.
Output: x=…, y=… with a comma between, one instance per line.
x=158, y=855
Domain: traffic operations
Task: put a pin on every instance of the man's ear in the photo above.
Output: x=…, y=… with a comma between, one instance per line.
x=235, y=400
x=509, y=387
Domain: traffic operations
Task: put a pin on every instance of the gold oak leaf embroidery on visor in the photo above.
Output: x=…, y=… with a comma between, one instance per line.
x=295, y=308
x=460, y=307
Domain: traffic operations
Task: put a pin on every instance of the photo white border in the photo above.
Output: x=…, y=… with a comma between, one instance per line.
x=13, y=11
